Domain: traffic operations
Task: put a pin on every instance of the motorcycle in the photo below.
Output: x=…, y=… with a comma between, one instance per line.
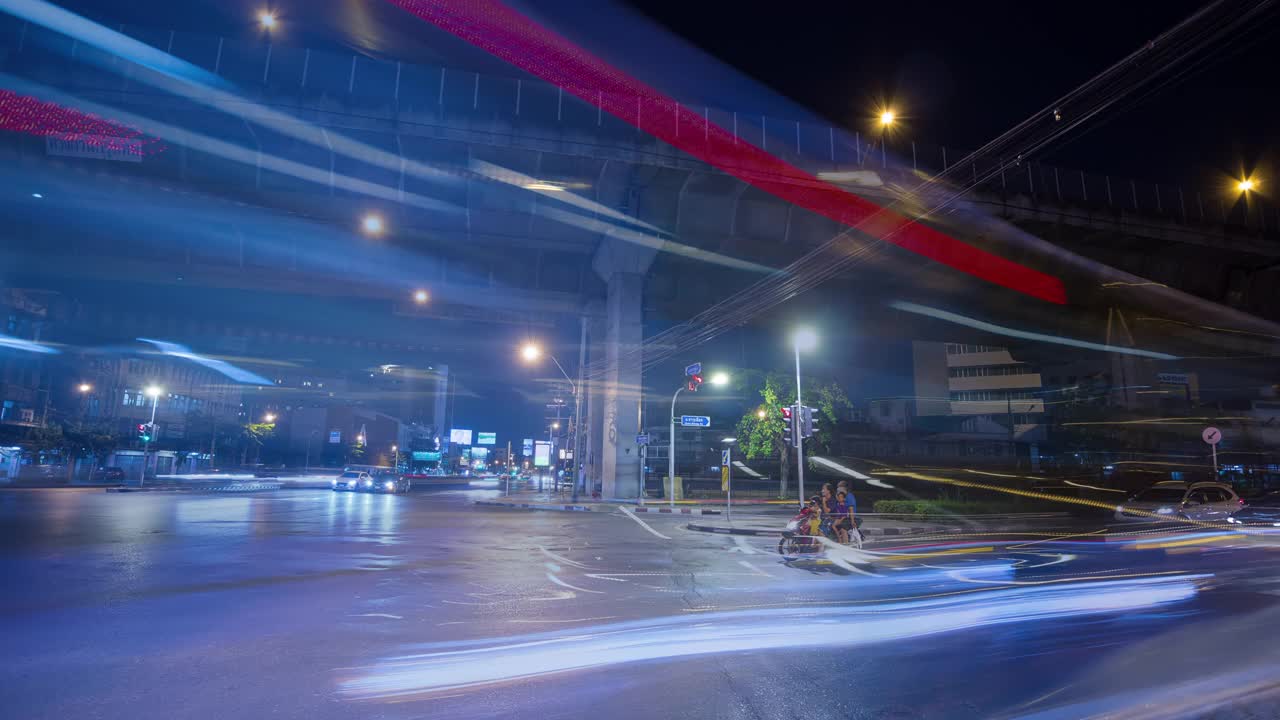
x=797, y=539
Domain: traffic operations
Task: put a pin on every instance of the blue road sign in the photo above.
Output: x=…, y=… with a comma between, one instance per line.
x=694, y=369
x=642, y=439
x=695, y=421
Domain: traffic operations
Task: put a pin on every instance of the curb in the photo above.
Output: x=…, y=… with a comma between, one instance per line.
x=866, y=531
x=532, y=506
x=595, y=507
x=244, y=487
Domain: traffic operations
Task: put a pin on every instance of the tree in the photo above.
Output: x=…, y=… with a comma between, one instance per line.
x=252, y=435
x=760, y=430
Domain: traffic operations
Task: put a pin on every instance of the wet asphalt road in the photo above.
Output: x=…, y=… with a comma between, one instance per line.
x=311, y=604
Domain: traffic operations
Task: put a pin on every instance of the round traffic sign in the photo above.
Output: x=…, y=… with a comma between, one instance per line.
x=1211, y=435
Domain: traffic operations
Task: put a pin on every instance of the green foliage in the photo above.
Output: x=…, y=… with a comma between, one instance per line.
x=761, y=437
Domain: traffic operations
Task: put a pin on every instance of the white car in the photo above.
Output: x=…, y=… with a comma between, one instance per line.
x=352, y=481
x=1176, y=500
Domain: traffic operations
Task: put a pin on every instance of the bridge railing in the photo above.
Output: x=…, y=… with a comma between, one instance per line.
x=356, y=84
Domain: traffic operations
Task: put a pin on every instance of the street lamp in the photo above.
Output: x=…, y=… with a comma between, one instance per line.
x=717, y=378
x=421, y=297
x=153, y=392
x=530, y=352
x=372, y=224
x=84, y=388
x=762, y=414
x=805, y=339
x=1245, y=185
x=886, y=118
x=267, y=19
x=269, y=418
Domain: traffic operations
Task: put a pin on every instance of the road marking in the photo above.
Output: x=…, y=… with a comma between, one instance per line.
x=561, y=558
x=742, y=546
x=562, y=583
x=590, y=619
x=385, y=615
x=753, y=568
x=627, y=511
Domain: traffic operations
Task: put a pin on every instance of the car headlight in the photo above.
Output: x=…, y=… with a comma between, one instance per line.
x=389, y=485
x=1164, y=511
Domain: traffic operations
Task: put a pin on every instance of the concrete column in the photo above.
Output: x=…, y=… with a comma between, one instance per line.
x=594, y=408
x=622, y=265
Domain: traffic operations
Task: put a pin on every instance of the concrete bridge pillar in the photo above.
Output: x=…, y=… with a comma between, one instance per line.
x=622, y=265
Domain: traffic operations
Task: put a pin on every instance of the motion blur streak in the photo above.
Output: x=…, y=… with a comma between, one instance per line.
x=13, y=343
x=521, y=41
x=219, y=366
x=1023, y=334
x=750, y=631
x=518, y=179
x=1185, y=699
x=109, y=41
x=22, y=113
x=233, y=152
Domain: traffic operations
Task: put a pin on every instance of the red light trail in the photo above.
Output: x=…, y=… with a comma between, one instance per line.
x=519, y=40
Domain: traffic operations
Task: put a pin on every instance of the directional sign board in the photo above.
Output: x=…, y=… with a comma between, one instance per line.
x=695, y=421
x=642, y=439
x=694, y=369
x=1211, y=435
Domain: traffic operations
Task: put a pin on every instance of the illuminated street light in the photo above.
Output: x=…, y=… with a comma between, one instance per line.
x=153, y=391
x=269, y=418
x=720, y=379
x=267, y=19
x=530, y=352
x=372, y=224
x=805, y=340
x=555, y=426
x=421, y=297
x=84, y=387
x=762, y=414
x=886, y=118
x=1245, y=185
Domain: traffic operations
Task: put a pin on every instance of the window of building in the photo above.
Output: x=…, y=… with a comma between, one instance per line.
x=989, y=395
x=958, y=349
x=990, y=370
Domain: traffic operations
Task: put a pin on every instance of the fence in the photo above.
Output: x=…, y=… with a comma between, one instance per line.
x=352, y=81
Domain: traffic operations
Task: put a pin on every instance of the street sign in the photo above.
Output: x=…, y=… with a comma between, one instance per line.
x=694, y=369
x=642, y=439
x=335, y=437
x=695, y=421
x=1173, y=378
x=1211, y=435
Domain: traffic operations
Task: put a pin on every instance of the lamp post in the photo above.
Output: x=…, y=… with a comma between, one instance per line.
x=718, y=378
x=530, y=353
x=153, y=392
x=805, y=339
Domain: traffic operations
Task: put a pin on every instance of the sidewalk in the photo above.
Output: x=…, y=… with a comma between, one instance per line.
x=524, y=501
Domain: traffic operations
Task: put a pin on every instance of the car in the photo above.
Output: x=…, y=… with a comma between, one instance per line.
x=1262, y=512
x=388, y=483
x=1174, y=499
x=108, y=474
x=352, y=481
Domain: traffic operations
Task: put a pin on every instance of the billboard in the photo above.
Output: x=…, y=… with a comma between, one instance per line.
x=485, y=438
x=527, y=449
x=542, y=454
x=458, y=436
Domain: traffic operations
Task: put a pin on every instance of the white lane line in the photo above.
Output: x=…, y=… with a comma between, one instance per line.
x=741, y=545
x=564, y=584
x=753, y=568
x=627, y=511
x=598, y=576
x=561, y=558
x=385, y=615
x=590, y=619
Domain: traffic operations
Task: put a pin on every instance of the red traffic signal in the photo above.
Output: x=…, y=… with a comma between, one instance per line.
x=786, y=413
x=694, y=381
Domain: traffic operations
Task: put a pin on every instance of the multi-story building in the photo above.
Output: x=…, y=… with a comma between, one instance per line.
x=186, y=390
x=24, y=382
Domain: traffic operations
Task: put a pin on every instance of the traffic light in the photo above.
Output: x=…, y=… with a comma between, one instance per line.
x=695, y=381
x=807, y=421
x=788, y=426
x=144, y=432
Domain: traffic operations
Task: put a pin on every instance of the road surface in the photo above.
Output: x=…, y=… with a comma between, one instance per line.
x=313, y=604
